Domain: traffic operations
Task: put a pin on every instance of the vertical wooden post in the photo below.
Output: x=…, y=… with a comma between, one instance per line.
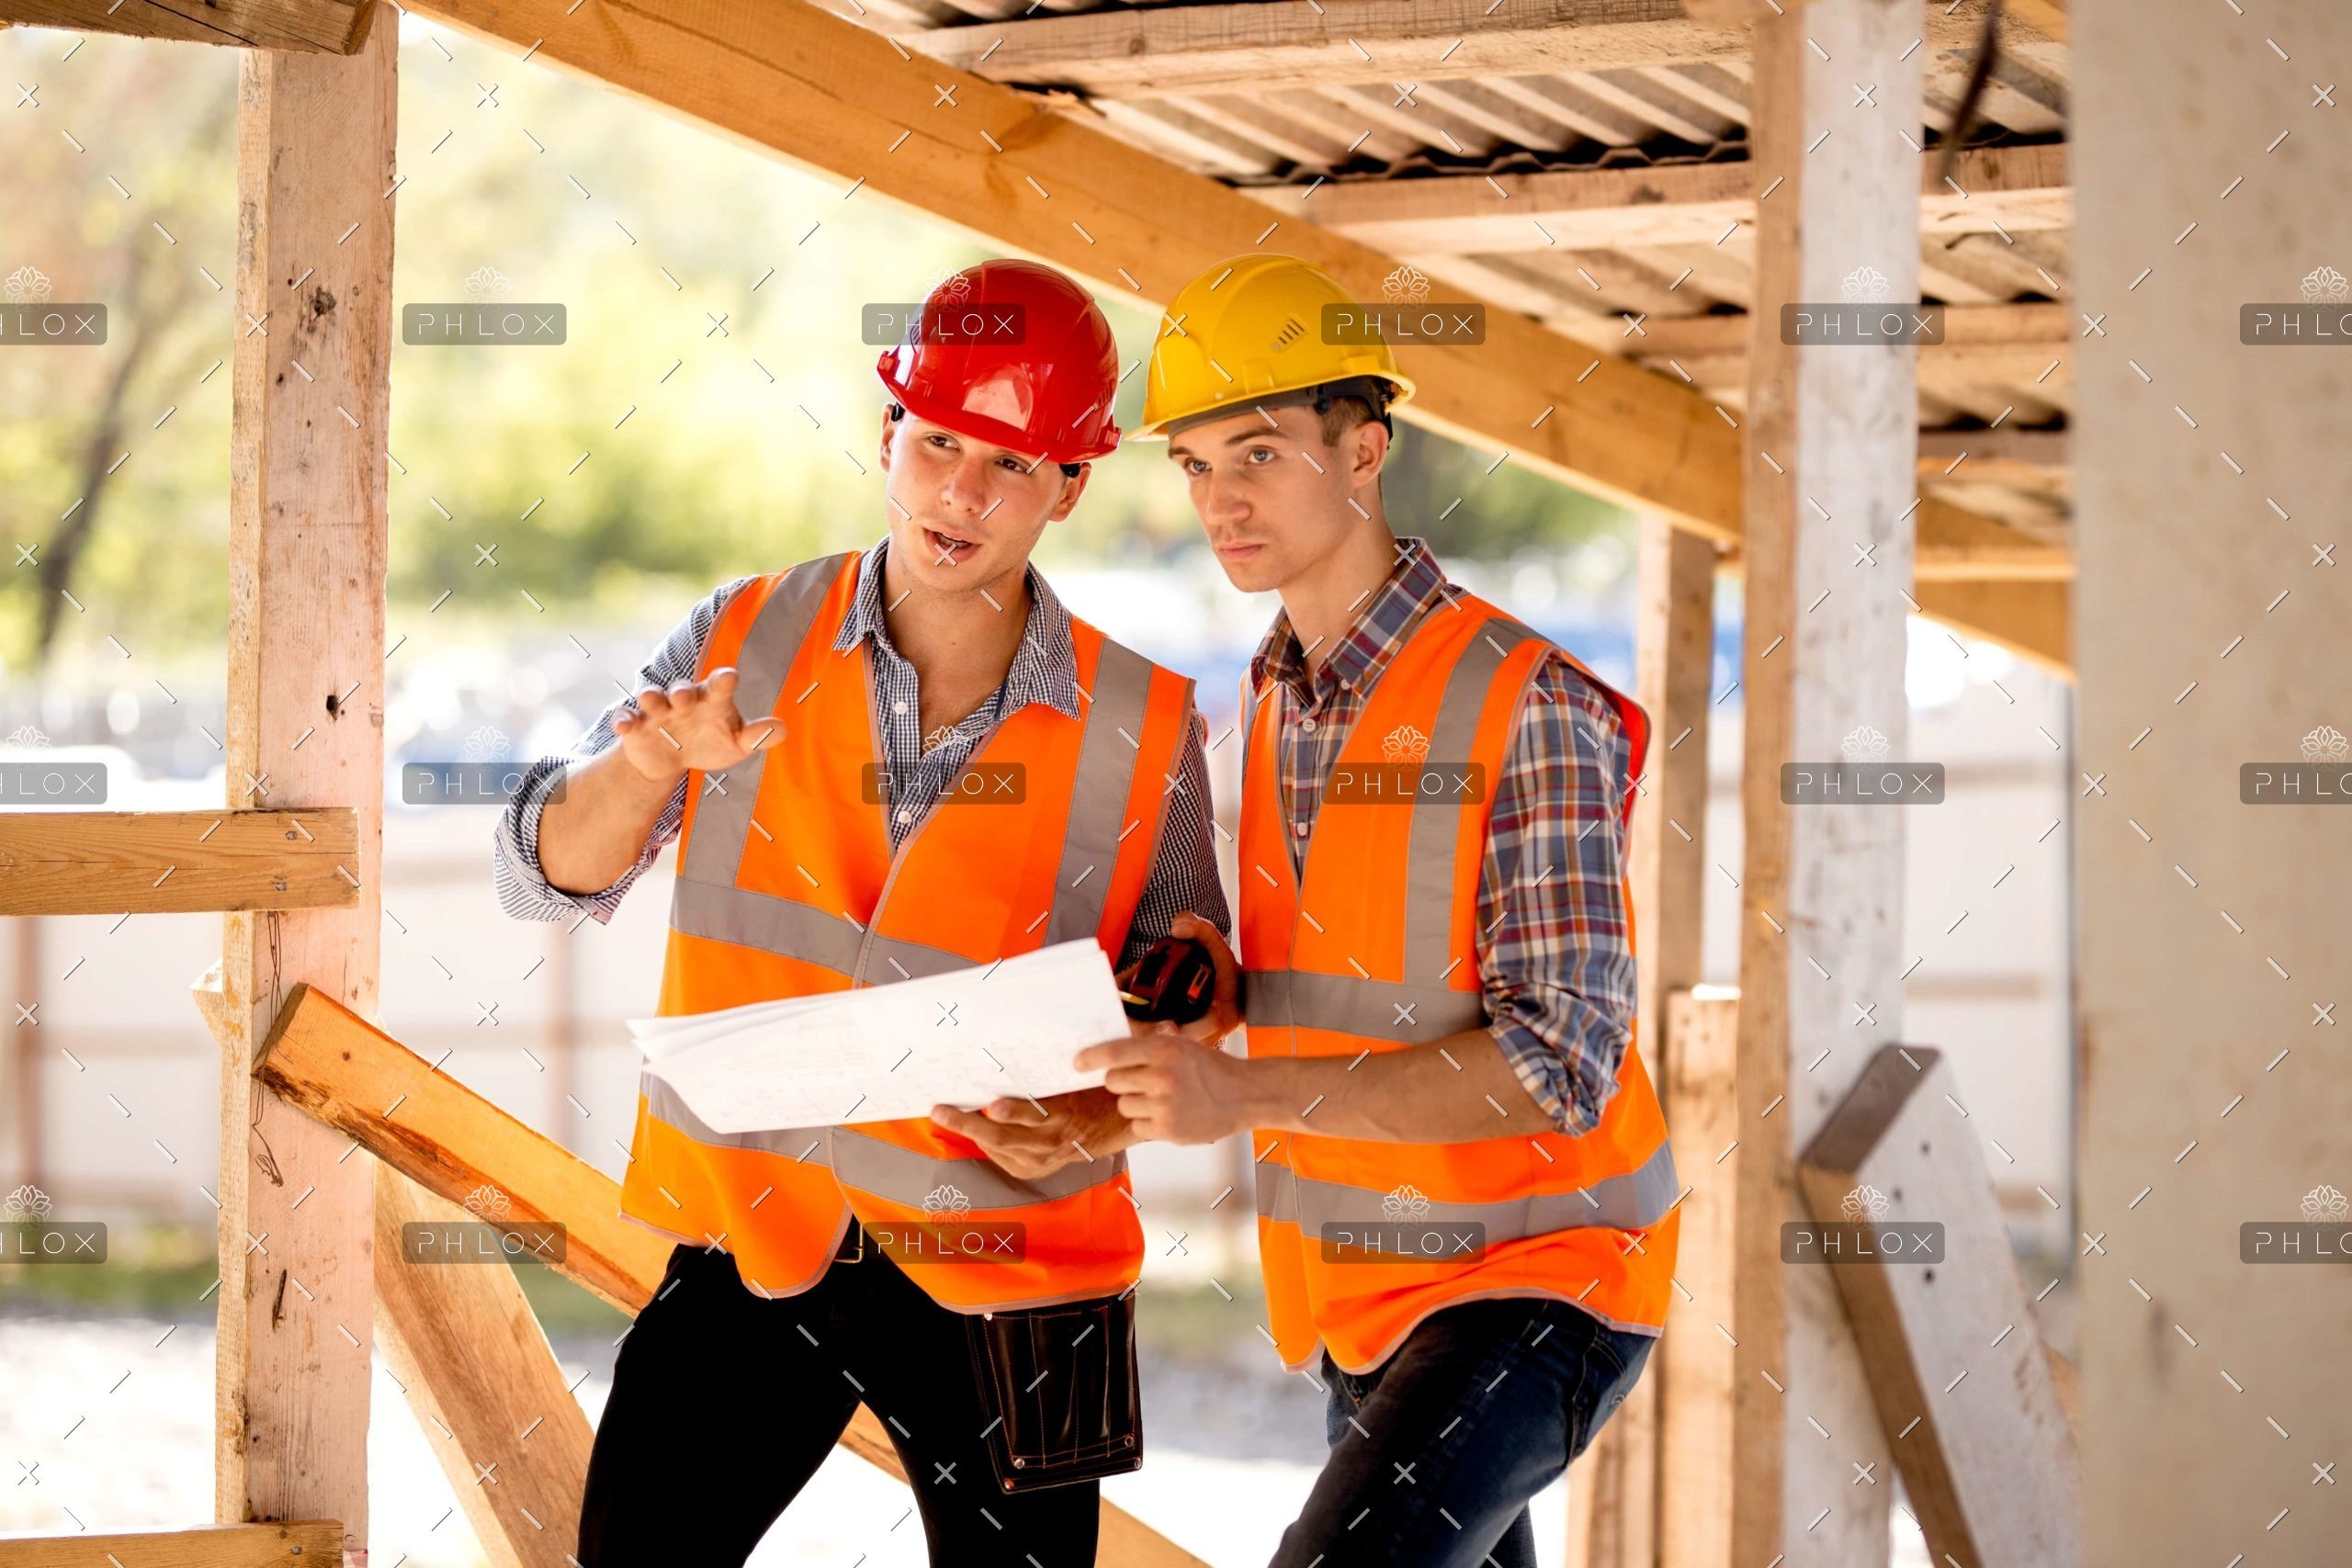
x=2215, y=588
x=307, y=524
x=1615, y=1520
x=24, y=1054
x=1697, y=1457
x=1831, y=442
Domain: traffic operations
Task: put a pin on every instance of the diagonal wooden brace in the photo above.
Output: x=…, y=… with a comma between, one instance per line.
x=1964, y=1385
x=478, y=1364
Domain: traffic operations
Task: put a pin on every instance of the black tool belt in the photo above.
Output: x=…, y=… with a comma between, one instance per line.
x=1059, y=1383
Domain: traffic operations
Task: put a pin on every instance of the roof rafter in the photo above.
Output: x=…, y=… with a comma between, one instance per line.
x=795, y=80
x=1993, y=190
x=1250, y=46
x=309, y=26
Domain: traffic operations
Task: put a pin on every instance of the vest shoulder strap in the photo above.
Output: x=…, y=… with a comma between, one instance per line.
x=1511, y=632
x=759, y=633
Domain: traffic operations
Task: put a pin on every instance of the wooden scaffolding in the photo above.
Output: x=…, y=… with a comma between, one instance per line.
x=1632, y=187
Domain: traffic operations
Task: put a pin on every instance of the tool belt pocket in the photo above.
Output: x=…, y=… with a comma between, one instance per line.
x=1058, y=1385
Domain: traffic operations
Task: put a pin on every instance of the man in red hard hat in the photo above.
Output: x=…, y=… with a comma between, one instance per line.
x=810, y=737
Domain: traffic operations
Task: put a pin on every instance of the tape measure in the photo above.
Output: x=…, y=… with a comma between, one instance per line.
x=1175, y=982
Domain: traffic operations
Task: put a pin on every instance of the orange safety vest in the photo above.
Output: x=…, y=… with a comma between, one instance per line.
x=1378, y=954
x=787, y=885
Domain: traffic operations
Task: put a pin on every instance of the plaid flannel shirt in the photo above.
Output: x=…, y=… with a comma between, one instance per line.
x=1183, y=874
x=1553, y=953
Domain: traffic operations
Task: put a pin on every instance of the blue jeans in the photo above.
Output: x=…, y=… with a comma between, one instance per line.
x=1435, y=1451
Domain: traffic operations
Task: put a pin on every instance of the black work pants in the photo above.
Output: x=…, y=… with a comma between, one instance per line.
x=724, y=1404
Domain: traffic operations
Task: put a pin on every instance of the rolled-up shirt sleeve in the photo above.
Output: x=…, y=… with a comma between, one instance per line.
x=523, y=888
x=1554, y=953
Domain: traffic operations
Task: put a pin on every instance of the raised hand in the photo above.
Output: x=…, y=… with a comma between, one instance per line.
x=694, y=724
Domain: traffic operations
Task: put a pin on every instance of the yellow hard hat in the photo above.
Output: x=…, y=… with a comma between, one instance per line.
x=1250, y=330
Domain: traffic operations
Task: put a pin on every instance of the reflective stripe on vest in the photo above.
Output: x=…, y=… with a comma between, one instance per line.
x=711, y=904
x=1367, y=943
x=749, y=921
x=1388, y=1009
x=1632, y=1202
x=874, y=1165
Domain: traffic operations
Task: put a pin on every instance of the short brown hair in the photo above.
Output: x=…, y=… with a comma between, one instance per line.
x=1344, y=414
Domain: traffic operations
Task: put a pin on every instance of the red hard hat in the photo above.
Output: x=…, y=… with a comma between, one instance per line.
x=1040, y=379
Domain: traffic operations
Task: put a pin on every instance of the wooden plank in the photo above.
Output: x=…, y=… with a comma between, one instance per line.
x=1988, y=1465
x=2047, y=18
x=328, y=1063
x=2010, y=375
x=502, y=1419
x=2033, y=620
x=2023, y=458
x=313, y=26
x=307, y=541
x=1698, y=1391
x=1832, y=448
x=146, y=862
x=2177, y=1014
x=2027, y=324
x=1157, y=49
x=324, y=1061
x=1674, y=643
x=2026, y=345
x=1974, y=549
x=791, y=78
x=21, y=1057
x=1976, y=553
x=303, y=1543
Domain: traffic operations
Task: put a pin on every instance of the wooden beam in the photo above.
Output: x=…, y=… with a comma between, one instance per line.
x=324, y=1061
x=2011, y=188
x=1833, y=454
x=2047, y=18
x=1975, y=549
x=1673, y=653
x=2020, y=459
x=307, y=541
x=303, y=1543
x=2027, y=344
x=304, y=27
x=2178, y=1014
x=328, y=1063
x=2043, y=327
x=794, y=79
x=477, y=1371
x=1989, y=1467
x=2033, y=620
x=1253, y=48
x=1700, y=1388
x=104, y=862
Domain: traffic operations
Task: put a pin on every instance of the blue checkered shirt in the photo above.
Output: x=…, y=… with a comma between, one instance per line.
x=1183, y=874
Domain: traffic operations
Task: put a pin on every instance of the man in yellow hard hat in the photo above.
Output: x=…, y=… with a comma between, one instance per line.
x=1465, y=1199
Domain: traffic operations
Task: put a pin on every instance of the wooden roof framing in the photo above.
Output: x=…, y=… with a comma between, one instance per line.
x=1025, y=170
x=1583, y=163
x=1035, y=170
x=303, y=26
x=1135, y=146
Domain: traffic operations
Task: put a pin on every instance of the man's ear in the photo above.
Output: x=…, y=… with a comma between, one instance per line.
x=889, y=428
x=1369, y=451
x=1073, y=486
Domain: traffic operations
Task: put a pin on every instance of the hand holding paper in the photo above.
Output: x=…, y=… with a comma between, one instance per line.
x=885, y=1052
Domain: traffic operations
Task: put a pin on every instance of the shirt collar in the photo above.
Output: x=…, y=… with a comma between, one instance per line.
x=1044, y=667
x=1414, y=583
